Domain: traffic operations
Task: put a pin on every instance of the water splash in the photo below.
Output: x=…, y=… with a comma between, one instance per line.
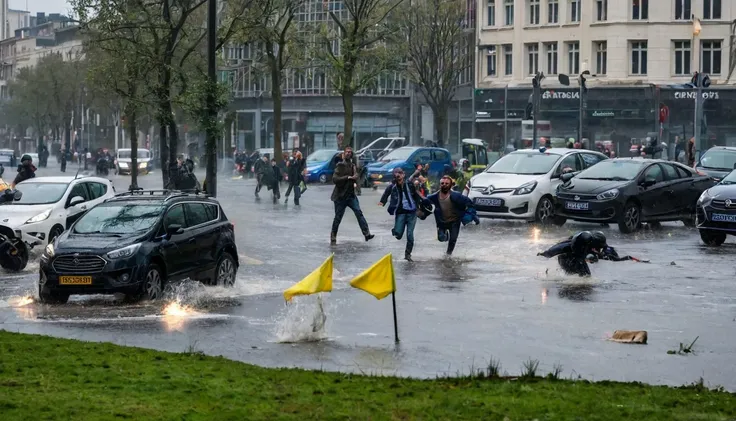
x=21, y=301
x=304, y=320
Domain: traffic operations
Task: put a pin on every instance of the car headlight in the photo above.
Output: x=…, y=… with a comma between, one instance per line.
x=123, y=164
x=525, y=188
x=49, y=251
x=40, y=217
x=704, y=198
x=124, y=252
x=142, y=165
x=608, y=195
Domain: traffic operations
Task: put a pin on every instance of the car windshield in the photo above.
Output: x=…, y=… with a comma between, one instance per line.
x=619, y=170
x=718, y=159
x=729, y=179
x=321, y=156
x=401, y=154
x=142, y=153
x=118, y=218
x=40, y=193
x=528, y=163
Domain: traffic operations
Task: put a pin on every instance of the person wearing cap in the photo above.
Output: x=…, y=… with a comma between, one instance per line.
x=26, y=170
x=404, y=204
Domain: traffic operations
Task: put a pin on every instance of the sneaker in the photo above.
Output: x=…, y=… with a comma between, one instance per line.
x=369, y=237
x=286, y=200
x=333, y=239
x=407, y=257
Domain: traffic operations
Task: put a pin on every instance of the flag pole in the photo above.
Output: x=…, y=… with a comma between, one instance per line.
x=396, y=326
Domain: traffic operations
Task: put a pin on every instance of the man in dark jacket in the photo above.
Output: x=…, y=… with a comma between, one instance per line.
x=262, y=169
x=344, y=196
x=405, y=202
x=26, y=170
x=295, y=171
x=273, y=181
x=449, y=210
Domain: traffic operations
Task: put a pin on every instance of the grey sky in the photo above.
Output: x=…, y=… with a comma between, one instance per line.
x=48, y=6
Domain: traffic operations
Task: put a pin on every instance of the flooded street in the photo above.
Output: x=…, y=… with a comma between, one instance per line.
x=493, y=299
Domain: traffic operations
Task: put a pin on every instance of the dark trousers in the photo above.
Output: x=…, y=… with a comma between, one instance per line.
x=454, y=231
x=405, y=221
x=259, y=178
x=573, y=265
x=352, y=203
x=297, y=192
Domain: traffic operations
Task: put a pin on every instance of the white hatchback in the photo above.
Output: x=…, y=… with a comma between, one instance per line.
x=521, y=184
x=50, y=205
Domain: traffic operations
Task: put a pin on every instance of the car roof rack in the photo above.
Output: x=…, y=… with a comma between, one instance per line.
x=162, y=193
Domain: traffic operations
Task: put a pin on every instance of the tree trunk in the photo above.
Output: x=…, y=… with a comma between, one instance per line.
x=440, y=121
x=131, y=117
x=276, y=95
x=173, y=137
x=163, y=151
x=347, y=103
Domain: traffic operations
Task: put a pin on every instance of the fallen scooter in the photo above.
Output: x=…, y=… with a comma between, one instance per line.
x=13, y=250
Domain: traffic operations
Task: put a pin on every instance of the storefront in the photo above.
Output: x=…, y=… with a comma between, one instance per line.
x=612, y=114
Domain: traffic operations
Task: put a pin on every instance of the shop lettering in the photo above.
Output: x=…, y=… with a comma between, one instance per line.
x=604, y=114
x=560, y=95
x=692, y=95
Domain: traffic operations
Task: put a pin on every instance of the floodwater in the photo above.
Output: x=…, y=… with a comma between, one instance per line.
x=493, y=299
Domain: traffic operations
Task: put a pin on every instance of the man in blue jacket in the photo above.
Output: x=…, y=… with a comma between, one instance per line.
x=450, y=208
x=405, y=201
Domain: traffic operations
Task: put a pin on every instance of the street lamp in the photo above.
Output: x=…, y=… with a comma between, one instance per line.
x=532, y=107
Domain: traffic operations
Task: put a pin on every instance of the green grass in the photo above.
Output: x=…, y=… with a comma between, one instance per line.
x=46, y=378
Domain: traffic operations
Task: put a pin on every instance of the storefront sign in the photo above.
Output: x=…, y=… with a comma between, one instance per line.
x=604, y=114
x=692, y=95
x=561, y=95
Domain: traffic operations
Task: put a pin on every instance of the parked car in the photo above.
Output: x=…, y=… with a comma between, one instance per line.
x=49, y=205
x=380, y=147
x=124, y=161
x=716, y=211
x=321, y=166
x=408, y=157
x=717, y=161
x=7, y=159
x=521, y=184
x=630, y=191
x=138, y=241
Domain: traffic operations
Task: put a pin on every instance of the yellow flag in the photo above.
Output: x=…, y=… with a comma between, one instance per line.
x=378, y=280
x=318, y=281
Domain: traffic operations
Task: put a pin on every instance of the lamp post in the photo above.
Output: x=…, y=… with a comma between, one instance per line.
x=536, y=94
x=700, y=81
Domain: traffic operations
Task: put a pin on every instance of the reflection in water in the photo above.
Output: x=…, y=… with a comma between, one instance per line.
x=536, y=232
x=545, y=294
x=175, y=316
x=576, y=292
x=377, y=361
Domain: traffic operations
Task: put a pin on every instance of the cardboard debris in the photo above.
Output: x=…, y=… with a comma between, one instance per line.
x=630, y=336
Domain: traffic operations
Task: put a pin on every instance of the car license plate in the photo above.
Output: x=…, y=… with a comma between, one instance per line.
x=482, y=201
x=721, y=217
x=577, y=205
x=75, y=280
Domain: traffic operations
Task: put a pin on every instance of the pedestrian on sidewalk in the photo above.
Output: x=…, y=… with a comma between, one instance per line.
x=404, y=204
x=450, y=208
x=344, y=195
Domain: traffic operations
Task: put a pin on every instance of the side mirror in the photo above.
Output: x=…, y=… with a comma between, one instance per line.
x=174, y=229
x=567, y=177
x=75, y=201
x=648, y=183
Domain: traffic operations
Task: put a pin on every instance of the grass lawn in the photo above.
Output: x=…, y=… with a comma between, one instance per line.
x=46, y=378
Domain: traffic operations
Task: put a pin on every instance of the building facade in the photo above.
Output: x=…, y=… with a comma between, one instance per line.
x=391, y=106
x=640, y=54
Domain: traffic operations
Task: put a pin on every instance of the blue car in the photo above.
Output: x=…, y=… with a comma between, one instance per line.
x=407, y=158
x=321, y=166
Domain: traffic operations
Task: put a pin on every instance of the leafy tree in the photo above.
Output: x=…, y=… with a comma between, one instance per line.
x=436, y=42
x=362, y=43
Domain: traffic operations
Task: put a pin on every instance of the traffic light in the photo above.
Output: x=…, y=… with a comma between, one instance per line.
x=700, y=79
x=529, y=109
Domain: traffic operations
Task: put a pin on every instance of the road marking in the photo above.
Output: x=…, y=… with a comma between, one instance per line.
x=250, y=260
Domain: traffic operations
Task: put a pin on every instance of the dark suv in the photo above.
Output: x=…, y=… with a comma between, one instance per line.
x=137, y=241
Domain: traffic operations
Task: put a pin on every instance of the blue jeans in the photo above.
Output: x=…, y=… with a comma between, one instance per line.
x=405, y=221
x=352, y=203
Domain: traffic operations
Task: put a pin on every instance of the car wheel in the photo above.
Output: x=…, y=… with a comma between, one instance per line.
x=545, y=212
x=630, y=219
x=47, y=296
x=226, y=271
x=55, y=232
x=153, y=283
x=323, y=178
x=711, y=238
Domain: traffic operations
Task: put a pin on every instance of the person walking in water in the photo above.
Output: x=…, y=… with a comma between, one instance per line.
x=295, y=170
x=262, y=170
x=344, y=196
x=404, y=203
x=450, y=208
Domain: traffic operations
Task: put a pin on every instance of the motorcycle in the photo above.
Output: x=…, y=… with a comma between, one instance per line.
x=13, y=250
x=103, y=168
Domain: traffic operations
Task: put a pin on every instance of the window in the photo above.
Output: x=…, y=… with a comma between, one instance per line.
x=601, y=57
x=508, y=59
x=654, y=173
x=573, y=58
x=601, y=10
x=175, y=216
x=441, y=155
x=711, y=9
x=424, y=156
x=97, y=190
x=533, y=58
x=551, y=49
x=78, y=190
x=491, y=61
x=571, y=161
x=553, y=11
x=683, y=172
x=491, y=12
x=640, y=9
x=196, y=214
x=670, y=172
x=533, y=12
x=574, y=10
x=591, y=159
x=213, y=212
x=509, y=10
x=682, y=57
x=683, y=10
x=638, y=57
x=711, y=58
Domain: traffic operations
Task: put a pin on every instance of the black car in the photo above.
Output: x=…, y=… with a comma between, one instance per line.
x=629, y=191
x=716, y=211
x=717, y=161
x=136, y=242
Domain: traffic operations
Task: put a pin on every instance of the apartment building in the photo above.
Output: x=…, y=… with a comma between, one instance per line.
x=312, y=109
x=639, y=52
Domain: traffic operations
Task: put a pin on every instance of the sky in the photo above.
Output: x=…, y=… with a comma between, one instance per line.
x=48, y=6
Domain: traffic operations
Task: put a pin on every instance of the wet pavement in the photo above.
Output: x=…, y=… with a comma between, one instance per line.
x=494, y=299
